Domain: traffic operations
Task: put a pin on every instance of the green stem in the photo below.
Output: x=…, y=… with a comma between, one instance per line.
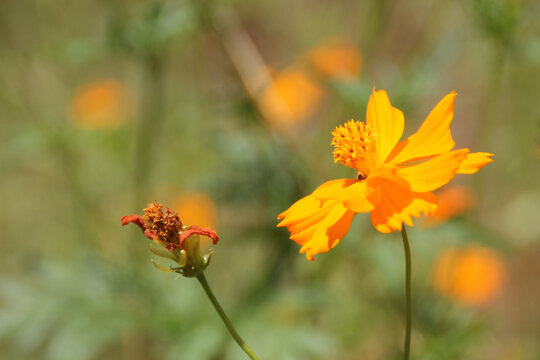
x=407, y=343
x=149, y=127
x=226, y=321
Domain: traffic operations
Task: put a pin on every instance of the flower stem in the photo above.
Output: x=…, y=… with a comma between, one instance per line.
x=226, y=321
x=407, y=343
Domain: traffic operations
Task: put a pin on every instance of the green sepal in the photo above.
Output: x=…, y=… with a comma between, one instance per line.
x=161, y=268
x=163, y=253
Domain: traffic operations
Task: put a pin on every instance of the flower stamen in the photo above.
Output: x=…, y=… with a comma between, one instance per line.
x=165, y=224
x=354, y=143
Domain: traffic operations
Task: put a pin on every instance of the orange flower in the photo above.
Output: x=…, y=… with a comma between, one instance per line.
x=395, y=179
x=472, y=276
x=292, y=97
x=101, y=104
x=336, y=59
x=453, y=202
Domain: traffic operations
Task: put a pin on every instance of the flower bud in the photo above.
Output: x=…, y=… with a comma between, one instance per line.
x=195, y=262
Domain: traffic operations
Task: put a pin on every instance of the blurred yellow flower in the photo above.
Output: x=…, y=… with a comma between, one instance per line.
x=453, y=201
x=196, y=208
x=473, y=275
x=336, y=59
x=291, y=98
x=101, y=104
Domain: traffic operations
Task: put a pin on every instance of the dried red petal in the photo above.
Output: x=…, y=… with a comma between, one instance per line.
x=139, y=221
x=151, y=234
x=197, y=230
x=136, y=219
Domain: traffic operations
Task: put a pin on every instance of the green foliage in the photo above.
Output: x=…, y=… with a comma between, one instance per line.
x=499, y=18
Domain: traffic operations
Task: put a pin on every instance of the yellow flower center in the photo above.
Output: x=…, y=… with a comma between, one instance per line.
x=354, y=146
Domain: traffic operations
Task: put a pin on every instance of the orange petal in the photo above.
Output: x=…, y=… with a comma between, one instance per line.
x=351, y=192
x=312, y=207
x=317, y=225
x=332, y=189
x=398, y=203
x=299, y=211
x=355, y=197
x=434, y=173
x=387, y=122
x=474, y=162
x=433, y=137
x=307, y=218
x=329, y=231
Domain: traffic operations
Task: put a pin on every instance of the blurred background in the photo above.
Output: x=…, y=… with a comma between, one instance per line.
x=223, y=111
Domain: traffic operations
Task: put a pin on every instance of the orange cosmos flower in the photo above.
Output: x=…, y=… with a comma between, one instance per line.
x=337, y=59
x=395, y=179
x=472, y=276
x=101, y=104
x=291, y=98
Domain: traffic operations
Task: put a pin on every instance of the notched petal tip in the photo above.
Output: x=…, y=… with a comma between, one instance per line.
x=474, y=162
x=307, y=252
x=387, y=229
x=434, y=173
x=398, y=204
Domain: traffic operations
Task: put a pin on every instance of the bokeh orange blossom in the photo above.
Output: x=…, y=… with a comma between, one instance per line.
x=453, y=202
x=336, y=59
x=472, y=275
x=291, y=98
x=394, y=181
x=103, y=104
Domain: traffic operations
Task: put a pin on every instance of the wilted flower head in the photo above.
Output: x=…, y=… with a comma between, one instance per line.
x=181, y=242
x=165, y=226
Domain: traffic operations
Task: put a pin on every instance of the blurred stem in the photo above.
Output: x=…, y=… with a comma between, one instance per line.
x=408, y=308
x=85, y=218
x=373, y=29
x=226, y=321
x=492, y=93
x=488, y=119
x=149, y=125
x=248, y=63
